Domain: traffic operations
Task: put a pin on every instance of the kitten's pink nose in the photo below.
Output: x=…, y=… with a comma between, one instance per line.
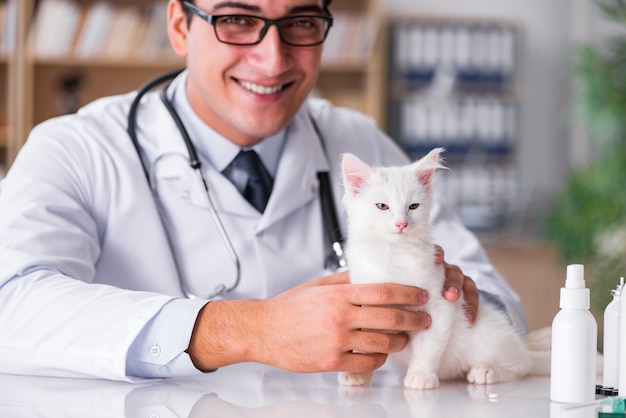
x=401, y=225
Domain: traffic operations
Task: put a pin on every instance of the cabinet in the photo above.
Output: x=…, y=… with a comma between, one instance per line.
x=453, y=84
x=42, y=79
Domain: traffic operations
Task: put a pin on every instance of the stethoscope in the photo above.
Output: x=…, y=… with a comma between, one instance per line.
x=334, y=261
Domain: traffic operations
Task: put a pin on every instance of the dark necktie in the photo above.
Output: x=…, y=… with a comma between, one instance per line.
x=250, y=176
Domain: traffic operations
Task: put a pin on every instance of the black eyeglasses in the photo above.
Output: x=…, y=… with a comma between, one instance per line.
x=250, y=30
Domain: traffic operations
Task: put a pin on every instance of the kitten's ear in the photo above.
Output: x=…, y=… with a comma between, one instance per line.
x=426, y=166
x=355, y=173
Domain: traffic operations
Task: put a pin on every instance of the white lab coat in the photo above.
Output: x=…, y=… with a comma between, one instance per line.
x=75, y=209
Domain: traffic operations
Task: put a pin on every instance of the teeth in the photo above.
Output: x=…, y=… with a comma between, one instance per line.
x=261, y=89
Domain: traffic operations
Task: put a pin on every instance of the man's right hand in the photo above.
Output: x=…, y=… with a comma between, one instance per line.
x=323, y=325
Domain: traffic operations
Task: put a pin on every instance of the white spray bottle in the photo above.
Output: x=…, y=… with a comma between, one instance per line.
x=621, y=366
x=610, y=342
x=574, y=340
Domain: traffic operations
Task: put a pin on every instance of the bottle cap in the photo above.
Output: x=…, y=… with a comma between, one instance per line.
x=574, y=295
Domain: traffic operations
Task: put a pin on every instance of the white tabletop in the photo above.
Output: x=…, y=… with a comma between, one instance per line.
x=271, y=393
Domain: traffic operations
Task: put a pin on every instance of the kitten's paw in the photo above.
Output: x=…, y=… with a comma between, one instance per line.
x=355, y=379
x=480, y=375
x=421, y=381
x=483, y=375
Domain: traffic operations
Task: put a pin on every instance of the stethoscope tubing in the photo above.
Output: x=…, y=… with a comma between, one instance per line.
x=131, y=128
x=327, y=203
x=194, y=163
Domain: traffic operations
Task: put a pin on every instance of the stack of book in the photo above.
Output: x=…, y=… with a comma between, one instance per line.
x=481, y=53
x=99, y=30
x=351, y=39
x=460, y=124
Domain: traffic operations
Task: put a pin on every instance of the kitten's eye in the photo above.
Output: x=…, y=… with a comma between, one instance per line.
x=382, y=206
x=414, y=206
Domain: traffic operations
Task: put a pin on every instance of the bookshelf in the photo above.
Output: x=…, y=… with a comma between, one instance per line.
x=4, y=123
x=452, y=83
x=11, y=72
x=354, y=61
x=42, y=78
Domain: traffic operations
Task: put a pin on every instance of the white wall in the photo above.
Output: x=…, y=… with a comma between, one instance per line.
x=549, y=140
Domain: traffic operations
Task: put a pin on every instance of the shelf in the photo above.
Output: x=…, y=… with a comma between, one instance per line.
x=345, y=68
x=62, y=88
x=158, y=63
x=169, y=62
x=40, y=88
x=452, y=84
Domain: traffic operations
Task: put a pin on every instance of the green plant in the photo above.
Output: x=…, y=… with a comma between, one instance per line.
x=587, y=221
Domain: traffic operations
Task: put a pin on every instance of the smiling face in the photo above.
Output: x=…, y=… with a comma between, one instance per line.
x=245, y=93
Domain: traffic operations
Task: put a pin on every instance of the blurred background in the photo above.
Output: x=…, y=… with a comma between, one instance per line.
x=526, y=96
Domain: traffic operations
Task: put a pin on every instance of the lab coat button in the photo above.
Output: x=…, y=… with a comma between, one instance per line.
x=164, y=370
x=155, y=350
x=185, y=194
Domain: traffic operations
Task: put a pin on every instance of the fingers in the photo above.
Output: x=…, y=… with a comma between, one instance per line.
x=370, y=350
x=374, y=294
x=369, y=341
x=470, y=292
x=361, y=362
x=387, y=294
x=391, y=319
x=439, y=254
x=454, y=282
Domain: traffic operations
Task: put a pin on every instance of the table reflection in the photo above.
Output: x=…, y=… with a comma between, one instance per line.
x=268, y=392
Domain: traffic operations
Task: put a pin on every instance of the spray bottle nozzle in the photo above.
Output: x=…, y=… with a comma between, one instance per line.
x=574, y=295
x=575, y=278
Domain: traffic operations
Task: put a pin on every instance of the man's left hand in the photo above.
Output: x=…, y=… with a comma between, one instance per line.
x=458, y=284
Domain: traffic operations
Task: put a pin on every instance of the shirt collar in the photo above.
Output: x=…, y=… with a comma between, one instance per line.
x=213, y=147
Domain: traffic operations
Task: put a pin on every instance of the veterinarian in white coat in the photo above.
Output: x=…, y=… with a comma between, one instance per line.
x=90, y=283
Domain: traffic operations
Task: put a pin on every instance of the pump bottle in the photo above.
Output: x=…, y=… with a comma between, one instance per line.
x=610, y=341
x=574, y=339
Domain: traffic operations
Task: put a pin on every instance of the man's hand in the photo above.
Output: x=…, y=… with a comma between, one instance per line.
x=456, y=282
x=318, y=326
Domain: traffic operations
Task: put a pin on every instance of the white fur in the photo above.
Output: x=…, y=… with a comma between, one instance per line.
x=490, y=351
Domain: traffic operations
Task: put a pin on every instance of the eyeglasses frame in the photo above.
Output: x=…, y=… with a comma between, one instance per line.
x=212, y=19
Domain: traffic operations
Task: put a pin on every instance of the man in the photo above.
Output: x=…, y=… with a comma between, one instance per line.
x=95, y=261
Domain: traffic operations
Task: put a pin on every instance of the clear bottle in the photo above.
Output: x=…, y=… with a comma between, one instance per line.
x=610, y=343
x=574, y=341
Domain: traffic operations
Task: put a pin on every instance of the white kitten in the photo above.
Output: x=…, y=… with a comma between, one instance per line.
x=389, y=241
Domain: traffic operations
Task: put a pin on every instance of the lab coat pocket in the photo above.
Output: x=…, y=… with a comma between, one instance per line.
x=173, y=178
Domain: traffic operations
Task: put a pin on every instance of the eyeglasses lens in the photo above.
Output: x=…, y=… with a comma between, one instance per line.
x=298, y=30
